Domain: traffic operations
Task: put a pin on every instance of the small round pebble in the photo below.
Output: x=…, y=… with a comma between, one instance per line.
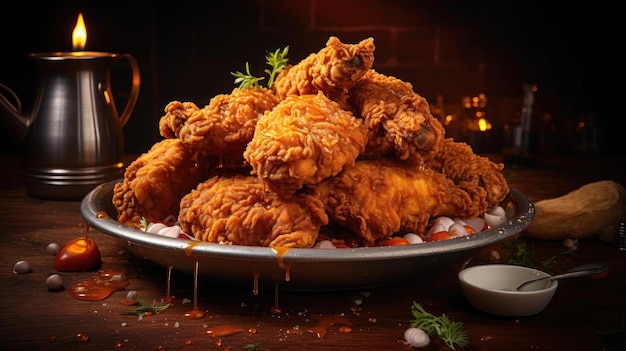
x=52, y=248
x=21, y=267
x=54, y=282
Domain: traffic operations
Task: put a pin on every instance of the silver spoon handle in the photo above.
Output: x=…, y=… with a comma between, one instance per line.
x=585, y=269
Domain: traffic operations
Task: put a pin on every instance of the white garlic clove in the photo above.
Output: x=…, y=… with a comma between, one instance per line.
x=457, y=230
x=155, y=227
x=497, y=210
x=413, y=238
x=493, y=220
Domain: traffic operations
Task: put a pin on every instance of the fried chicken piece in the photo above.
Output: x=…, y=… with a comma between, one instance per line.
x=155, y=182
x=223, y=127
x=399, y=120
x=176, y=114
x=333, y=70
x=304, y=140
x=238, y=210
x=458, y=162
x=380, y=197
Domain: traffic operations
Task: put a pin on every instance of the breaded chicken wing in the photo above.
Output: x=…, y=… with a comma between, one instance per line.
x=333, y=70
x=399, y=120
x=304, y=140
x=238, y=210
x=223, y=127
x=458, y=162
x=155, y=182
x=176, y=115
x=380, y=197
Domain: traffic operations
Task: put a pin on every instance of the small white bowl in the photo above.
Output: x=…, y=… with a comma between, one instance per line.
x=491, y=288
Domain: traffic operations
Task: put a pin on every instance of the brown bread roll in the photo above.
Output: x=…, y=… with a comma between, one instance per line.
x=581, y=213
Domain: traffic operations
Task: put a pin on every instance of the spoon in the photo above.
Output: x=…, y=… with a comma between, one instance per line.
x=582, y=270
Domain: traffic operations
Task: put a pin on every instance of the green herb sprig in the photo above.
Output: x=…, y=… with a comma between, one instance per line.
x=452, y=333
x=254, y=347
x=277, y=60
x=146, y=309
x=143, y=222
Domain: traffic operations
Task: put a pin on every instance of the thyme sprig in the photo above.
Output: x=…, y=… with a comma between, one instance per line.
x=277, y=60
x=146, y=309
x=452, y=333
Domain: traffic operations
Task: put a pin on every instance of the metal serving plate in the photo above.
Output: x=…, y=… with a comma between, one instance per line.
x=302, y=269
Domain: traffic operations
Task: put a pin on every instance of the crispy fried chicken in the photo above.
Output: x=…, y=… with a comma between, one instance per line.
x=238, y=210
x=223, y=127
x=458, y=162
x=380, y=197
x=333, y=70
x=304, y=140
x=399, y=120
x=155, y=182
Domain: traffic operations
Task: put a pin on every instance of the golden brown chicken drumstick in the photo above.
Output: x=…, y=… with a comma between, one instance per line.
x=458, y=162
x=238, y=210
x=333, y=70
x=381, y=197
x=155, y=182
x=223, y=127
x=304, y=140
x=399, y=119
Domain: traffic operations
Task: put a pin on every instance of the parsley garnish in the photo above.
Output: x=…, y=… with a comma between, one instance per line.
x=452, y=333
x=146, y=309
x=277, y=60
x=144, y=224
x=254, y=347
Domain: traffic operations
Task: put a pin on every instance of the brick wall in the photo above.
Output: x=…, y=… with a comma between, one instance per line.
x=186, y=51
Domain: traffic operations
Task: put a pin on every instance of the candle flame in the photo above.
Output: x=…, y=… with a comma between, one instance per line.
x=79, y=35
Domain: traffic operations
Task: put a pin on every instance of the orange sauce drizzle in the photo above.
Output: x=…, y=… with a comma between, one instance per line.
x=99, y=286
x=325, y=321
x=280, y=254
x=195, y=313
x=224, y=330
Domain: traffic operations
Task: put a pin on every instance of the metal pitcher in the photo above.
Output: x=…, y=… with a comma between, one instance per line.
x=73, y=139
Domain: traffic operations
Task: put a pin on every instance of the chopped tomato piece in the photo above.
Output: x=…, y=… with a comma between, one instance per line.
x=439, y=236
x=469, y=230
x=393, y=241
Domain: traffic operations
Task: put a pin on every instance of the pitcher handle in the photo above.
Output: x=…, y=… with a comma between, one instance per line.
x=134, y=92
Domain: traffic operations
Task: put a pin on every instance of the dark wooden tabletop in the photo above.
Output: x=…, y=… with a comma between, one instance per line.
x=585, y=314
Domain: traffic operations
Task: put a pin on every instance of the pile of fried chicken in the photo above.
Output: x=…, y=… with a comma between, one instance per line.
x=333, y=150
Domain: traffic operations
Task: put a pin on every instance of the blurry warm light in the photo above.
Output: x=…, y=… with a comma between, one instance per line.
x=483, y=125
x=79, y=35
x=448, y=119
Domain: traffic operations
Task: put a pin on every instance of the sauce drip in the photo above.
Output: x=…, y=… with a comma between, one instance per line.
x=325, y=321
x=255, y=286
x=195, y=313
x=224, y=330
x=280, y=255
x=276, y=308
x=168, y=286
x=99, y=286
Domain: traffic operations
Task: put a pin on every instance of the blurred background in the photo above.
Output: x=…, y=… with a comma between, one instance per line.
x=470, y=59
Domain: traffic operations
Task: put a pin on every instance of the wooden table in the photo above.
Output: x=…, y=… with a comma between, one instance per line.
x=34, y=318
